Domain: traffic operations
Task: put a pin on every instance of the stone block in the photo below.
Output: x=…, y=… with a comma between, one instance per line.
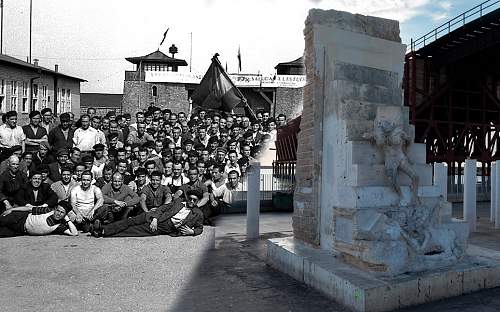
x=364, y=110
x=364, y=292
x=374, y=175
x=364, y=152
x=339, y=90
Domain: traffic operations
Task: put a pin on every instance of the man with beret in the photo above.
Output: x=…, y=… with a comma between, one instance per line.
x=10, y=133
x=30, y=220
x=61, y=137
x=55, y=169
x=34, y=133
x=175, y=219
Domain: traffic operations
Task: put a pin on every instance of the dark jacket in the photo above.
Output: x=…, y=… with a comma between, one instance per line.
x=194, y=220
x=45, y=196
x=57, y=140
x=10, y=185
x=54, y=173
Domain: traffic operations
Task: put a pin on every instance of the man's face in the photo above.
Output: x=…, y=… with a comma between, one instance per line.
x=238, y=119
x=255, y=127
x=99, y=154
x=216, y=174
x=28, y=159
x=201, y=168
x=12, y=121
x=272, y=126
x=181, y=117
x=224, y=136
x=47, y=117
x=43, y=150
x=176, y=133
x=265, y=117
x=233, y=179
x=140, y=118
x=75, y=156
x=232, y=146
x=65, y=124
x=202, y=132
x=91, y=112
x=166, y=115
x=154, y=125
x=202, y=114
x=86, y=180
x=122, y=123
x=229, y=122
x=221, y=155
x=168, y=168
x=193, y=159
x=35, y=121
x=85, y=123
x=192, y=201
x=150, y=168
x=107, y=174
x=158, y=146
x=193, y=175
x=113, y=127
x=136, y=152
x=62, y=159
x=177, y=170
x=105, y=124
x=121, y=167
x=205, y=155
x=173, y=119
x=88, y=165
x=156, y=114
x=222, y=123
x=113, y=142
x=143, y=156
x=36, y=180
x=59, y=213
x=121, y=155
x=245, y=122
x=117, y=181
x=155, y=181
x=246, y=151
x=141, y=128
x=149, y=119
x=128, y=151
x=96, y=123
x=66, y=176
x=141, y=178
x=177, y=154
x=281, y=120
x=259, y=117
x=233, y=158
x=78, y=171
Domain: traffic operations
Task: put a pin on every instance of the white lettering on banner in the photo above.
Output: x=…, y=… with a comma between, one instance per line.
x=240, y=80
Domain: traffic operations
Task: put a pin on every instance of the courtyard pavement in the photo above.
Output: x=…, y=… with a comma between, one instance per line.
x=180, y=274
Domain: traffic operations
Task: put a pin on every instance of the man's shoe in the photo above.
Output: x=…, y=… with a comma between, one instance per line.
x=97, y=228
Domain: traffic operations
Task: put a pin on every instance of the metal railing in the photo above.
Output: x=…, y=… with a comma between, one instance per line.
x=456, y=188
x=456, y=22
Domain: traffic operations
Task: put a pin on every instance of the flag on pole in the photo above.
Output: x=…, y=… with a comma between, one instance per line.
x=217, y=91
x=239, y=59
x=164, y=36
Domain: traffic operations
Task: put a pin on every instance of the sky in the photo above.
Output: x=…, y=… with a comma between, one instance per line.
x=90, y=39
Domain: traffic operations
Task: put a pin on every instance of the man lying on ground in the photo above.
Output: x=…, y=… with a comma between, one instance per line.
x=30, y=220
x=175, y=219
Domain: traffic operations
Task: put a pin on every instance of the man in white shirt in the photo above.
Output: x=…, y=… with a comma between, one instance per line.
x=85, y=137
x=85, y=199
x=10, y=133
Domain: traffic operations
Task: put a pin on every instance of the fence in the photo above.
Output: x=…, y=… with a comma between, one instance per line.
x=456, y=188
x=277, y=183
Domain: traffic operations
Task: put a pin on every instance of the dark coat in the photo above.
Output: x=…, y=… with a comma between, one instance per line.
x=45, y=196
x=54, y=173
x=57, y=140
x=194, y=220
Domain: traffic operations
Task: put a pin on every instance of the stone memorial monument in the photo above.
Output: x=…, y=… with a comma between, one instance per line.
x=370, y=228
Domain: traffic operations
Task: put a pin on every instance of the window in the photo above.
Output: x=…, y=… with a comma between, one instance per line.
x=34, y=98
x=62, y=100
x=2, y=87
x=24, y=106
x=154, y=90
x=44, y=97
x=68, y=100
x=13, y=95
x=3, y=109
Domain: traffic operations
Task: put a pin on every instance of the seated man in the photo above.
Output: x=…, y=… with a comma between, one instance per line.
x=141, y=180
x=195, y=184
x=63, y=188
x=119, y=200
x=225, y=194
x=107, y=174
x=85, y=199
x=35, y=193
x=11, y=181
x=175, y=219
x=37, y=221
x=155, y=195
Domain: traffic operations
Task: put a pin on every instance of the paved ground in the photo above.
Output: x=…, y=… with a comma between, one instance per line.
x=178, y=274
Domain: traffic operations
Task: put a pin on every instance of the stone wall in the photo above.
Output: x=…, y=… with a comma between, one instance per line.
x=138, y=95
x=289, y=101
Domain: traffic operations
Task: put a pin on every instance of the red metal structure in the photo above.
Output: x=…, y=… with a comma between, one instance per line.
x=452, y=86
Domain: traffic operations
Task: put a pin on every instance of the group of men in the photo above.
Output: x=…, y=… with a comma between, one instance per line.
x=165, y=173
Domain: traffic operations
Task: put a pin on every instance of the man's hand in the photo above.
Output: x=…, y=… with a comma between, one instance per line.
x=154, y=225
x=79, y=218
x=120, y=203
x=6, y=212
x=7, y=205
x=186, y=230
x=72, y=216
x=214, y=203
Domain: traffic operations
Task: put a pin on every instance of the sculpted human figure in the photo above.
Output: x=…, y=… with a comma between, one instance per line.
x=392, y=140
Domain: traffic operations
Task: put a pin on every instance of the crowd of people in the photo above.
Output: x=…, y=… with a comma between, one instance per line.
x=161, y=173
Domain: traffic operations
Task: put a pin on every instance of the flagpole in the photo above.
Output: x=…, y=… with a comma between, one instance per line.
x=31, y=23
x=191, y=51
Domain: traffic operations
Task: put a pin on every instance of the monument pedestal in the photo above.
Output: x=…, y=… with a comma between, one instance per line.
x=362, y=291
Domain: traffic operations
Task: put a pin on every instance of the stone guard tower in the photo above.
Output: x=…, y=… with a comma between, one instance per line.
x=369, y=225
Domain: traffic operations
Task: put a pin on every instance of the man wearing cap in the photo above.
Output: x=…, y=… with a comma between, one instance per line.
x=61, y=137
x=11, y=181
x=30, y=220
x=55, y=169
x=175, y=219
x=10, y=133
x=85, y=137
x=34, y=133
x=35, y=193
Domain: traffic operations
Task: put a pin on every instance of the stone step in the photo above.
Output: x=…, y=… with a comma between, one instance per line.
x=366, y=153
x=381, y=196
x=374, y=175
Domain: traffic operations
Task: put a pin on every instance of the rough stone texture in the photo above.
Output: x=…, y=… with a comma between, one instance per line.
x=354, y=67
x=364, y=292
x=289, y=101
x=138, y=95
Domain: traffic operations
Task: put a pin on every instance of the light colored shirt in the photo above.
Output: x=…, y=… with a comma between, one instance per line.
x=84, y=201
x=11, y=136
x=179, y=217
x=62, y=191
x=226, y=193
x=85, y=139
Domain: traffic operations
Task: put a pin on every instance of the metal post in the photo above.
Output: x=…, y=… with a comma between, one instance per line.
x=493, y=185
x=470, y=173
x=497, y=194
x=441, y=179
x=1, y=27
x=253, y=200
x=31, y=25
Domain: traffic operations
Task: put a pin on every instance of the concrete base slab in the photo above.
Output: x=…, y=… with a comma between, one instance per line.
x=361, y=291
